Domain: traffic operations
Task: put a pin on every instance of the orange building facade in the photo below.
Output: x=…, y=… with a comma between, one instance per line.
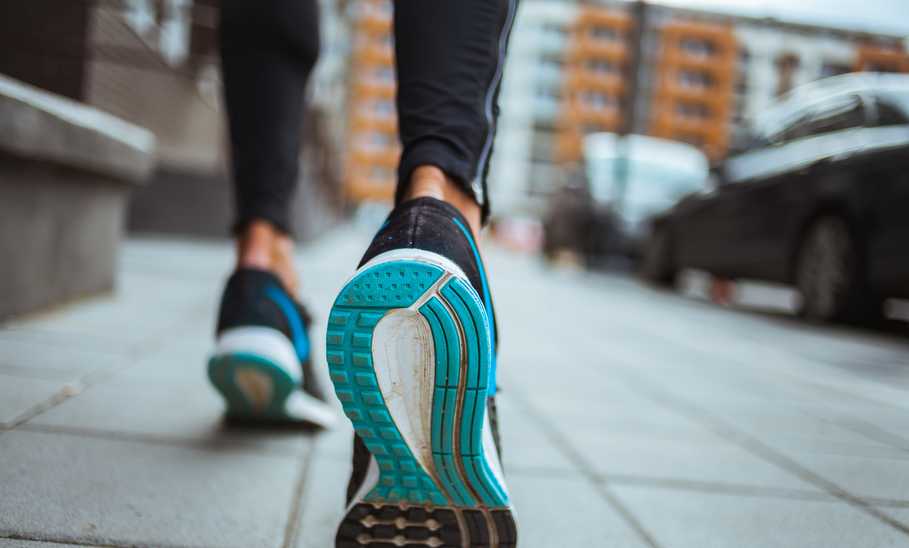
x=595, y=87
x=373, y=148
x=879, y=59
x=695, y=82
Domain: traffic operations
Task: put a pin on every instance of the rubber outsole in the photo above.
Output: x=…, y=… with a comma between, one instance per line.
x=389, y=526
x=462, y=478
x=267, y=386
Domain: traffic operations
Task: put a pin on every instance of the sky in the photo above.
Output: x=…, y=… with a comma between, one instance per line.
x=890, y=16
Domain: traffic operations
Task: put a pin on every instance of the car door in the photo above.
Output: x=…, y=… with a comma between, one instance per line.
x=699, y=243
x=885, y=189
x=888, y=250
x=781, y=185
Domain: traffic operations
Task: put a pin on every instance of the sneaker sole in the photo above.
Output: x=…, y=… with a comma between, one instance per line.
x=252, y=385
x=257, y=374
x=454, y=492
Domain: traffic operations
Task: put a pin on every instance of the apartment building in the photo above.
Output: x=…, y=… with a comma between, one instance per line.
x=530, y=100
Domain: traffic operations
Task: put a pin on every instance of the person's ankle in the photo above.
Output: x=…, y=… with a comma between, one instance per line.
x=263, y=247
x=431, y=182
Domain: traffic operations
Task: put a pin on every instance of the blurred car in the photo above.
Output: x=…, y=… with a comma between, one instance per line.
x=636, y=177
x=576, y=226
x=818, y=198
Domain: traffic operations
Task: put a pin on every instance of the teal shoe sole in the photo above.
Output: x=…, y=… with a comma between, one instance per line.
x=462, y=477
x=253, y=386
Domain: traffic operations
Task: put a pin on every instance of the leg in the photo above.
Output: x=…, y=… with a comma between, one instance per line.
x=450, y=58
x=268, y=49
x=411, y=337
x=262, y=355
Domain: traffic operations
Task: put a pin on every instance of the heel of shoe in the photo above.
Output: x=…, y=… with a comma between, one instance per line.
x=418, y=298
x=256, y=370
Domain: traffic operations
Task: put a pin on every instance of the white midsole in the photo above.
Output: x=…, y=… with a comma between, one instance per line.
x=266, y=342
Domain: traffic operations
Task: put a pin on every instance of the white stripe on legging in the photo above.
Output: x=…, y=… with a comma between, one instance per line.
x=490, y=94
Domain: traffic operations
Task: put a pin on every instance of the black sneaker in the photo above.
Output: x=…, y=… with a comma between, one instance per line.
x=261, y=363
x=411, y=353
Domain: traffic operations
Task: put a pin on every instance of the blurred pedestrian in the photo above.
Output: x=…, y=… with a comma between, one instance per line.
x=411, y=343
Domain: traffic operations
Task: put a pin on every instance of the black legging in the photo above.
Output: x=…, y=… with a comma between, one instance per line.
x=449, y=64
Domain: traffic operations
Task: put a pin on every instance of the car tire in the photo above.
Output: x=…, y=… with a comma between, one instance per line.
x=658, y=262
x=829, y=275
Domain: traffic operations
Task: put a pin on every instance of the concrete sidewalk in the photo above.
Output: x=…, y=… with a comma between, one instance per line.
x=630, y=418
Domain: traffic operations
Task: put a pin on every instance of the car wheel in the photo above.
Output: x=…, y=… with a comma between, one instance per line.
x=828, y=274
x=657, y=263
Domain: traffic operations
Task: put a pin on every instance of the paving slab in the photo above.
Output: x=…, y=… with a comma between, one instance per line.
x=715, y=461
x=566, y=511
x=7, y=543
x=18, y=395
x=49, y=356
x=869, y=477
x=178, y=357
x=116, y=492
x=681, y=519
x=524, y=443
x=186, y=410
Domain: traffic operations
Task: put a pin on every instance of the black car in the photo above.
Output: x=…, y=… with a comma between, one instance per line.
x=819, y=199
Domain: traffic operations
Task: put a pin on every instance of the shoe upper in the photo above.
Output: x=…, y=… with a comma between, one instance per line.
x=255, y=297
x=433, y=225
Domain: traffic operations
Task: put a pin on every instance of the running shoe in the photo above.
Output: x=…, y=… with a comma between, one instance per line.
x=261, y=363
x=411, y=353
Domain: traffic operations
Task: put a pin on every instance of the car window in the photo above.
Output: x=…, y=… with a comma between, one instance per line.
x=832, y=114
x=891, y=111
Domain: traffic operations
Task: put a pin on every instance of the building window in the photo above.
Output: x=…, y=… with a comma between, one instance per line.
x=380, y=174
x=881, y=67
x=833, y=69
x=786, y=65
x=379, y=108
x=375, y=141
x=383, y=75
x=695, y=79
x=692, y=111
x=697, y=47
x=597, y=101
x=604, y=34
x=601, y=67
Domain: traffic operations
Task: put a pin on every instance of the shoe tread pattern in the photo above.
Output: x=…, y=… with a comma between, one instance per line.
x=390, y=526
x=357, y=310
x=455, y=315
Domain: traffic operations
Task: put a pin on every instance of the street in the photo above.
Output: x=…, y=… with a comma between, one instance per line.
x=630, y=418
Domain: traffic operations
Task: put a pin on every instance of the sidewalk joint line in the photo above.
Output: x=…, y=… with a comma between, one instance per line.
x=295, y=515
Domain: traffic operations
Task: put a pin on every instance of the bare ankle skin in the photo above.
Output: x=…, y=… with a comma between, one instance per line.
x=263, y=247
x=430, y=181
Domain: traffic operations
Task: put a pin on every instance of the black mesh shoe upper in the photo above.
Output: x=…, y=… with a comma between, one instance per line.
x=258, y=298
x=431, y=225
